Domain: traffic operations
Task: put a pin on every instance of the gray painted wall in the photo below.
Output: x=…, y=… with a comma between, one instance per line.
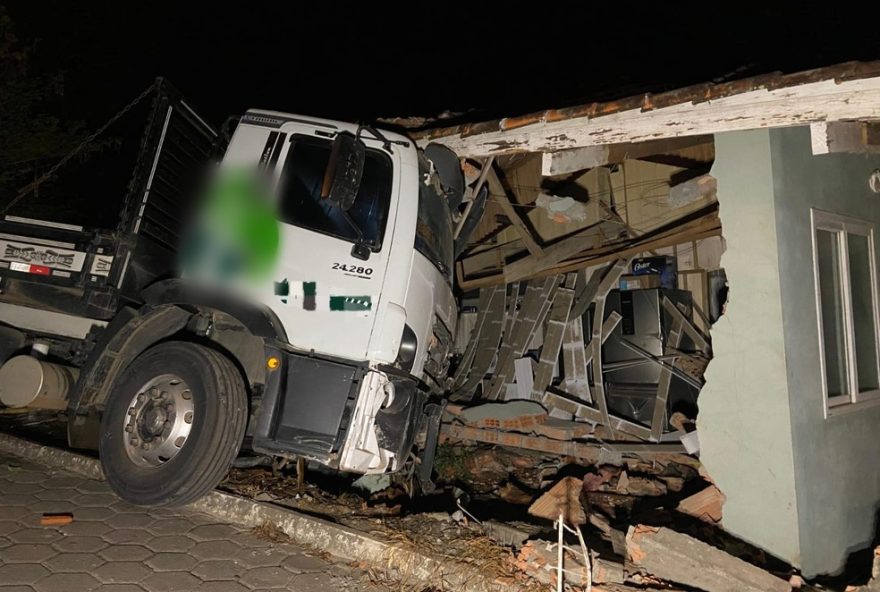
x=837, y=473
x=744, y=420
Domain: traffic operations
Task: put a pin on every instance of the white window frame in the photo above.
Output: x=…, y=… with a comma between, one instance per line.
x=842, y=226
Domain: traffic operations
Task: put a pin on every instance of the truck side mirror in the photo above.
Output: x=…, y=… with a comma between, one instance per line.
x=342, y=178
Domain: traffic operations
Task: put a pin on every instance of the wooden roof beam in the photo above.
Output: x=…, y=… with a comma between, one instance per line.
x=802, y=104
x=563, y=162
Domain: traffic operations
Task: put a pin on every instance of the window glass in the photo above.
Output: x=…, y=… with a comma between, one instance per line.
x=301, y=203
x=864, y=330
x=831, y=298
x=434, y=226
x=434, y=230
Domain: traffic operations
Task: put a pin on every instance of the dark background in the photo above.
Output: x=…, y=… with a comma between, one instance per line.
x=366, y=60
x=363, y=61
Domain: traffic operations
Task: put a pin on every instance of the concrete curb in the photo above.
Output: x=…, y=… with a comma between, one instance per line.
x=401, y=563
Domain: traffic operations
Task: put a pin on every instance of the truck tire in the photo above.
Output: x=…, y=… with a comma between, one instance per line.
x=173, y=425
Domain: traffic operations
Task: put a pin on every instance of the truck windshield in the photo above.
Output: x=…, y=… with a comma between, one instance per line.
x=434, y=227
x=301, y=203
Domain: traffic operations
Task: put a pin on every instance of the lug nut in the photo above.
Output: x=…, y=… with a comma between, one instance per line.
x=179, y=442
x=141, y=398
x=134, y=441
x=188, y=417
x=129, y=428
x=187, y=395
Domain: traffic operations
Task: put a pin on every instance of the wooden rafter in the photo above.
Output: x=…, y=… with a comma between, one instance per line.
x=501, y=191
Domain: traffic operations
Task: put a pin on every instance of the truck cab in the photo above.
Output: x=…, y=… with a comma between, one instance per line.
x=329, y=354
x=360, y=295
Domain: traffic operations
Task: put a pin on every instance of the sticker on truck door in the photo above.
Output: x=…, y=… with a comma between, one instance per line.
x=357, y=271
x=307, y=296
x=39, y=256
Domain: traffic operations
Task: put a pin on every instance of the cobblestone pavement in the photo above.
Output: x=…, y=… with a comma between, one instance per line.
x=112, y=546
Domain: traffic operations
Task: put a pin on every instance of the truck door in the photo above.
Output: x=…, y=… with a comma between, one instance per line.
x=325, y=296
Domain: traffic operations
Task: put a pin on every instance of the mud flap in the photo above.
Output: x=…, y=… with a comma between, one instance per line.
x=433, y=414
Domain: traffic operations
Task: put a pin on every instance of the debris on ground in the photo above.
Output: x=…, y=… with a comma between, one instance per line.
x=705, y=505
x=675, y=557
x=56, y=519
x=564, y=499
x=269, y=531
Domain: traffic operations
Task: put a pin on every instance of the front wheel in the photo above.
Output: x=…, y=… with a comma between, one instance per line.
x=173, y=425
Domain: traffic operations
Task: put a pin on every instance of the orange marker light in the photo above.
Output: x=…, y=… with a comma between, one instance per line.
x=273, y=363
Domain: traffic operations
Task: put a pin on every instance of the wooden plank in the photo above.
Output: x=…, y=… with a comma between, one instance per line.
x=587, y=452
x=577, y=159
x=553, y=254
x=504, y=200
x=697, y=230
x=609, y=282
x=482, y=344
x=658, y=420
x=688, y=327
x=676, y=557
x=563, y=498
x=580, y=409
x=475, y=190
x=630, y=251
x=824, y=100
x=555, y=328
x=574, y=361
x=585, y=292
x=534, y=308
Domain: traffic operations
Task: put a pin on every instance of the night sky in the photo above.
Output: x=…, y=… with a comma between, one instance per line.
x=365, y=62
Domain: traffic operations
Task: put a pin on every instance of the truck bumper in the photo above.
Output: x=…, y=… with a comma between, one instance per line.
x=346, y=416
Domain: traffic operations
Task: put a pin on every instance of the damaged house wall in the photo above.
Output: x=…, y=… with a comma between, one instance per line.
x=836, y=476
x=744, y=420
x=803, y=486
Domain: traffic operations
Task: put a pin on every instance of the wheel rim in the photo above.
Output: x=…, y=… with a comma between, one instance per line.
x=158, y=421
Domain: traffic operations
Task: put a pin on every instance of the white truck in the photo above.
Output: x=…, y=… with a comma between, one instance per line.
x=333, y=360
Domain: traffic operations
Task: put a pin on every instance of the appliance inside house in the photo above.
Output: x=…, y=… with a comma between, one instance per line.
x=631, y=354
